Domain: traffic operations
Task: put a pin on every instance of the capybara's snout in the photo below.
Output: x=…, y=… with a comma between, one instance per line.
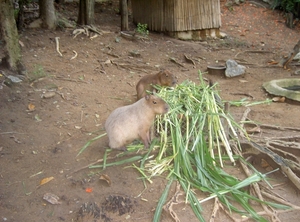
x=167, y=108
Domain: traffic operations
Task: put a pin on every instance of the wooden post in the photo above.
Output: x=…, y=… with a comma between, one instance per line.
x=124, y=15
x=86, y=12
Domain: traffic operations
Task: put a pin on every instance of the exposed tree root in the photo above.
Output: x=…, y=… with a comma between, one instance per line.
x=281, y=151
x=86, y=30
x=217, y=207
x=190, y=60
x=174, y=201
x=176, y=62
x=269, y=211
x=287, y=161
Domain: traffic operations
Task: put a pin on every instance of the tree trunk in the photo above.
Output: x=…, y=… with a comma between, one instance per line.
x=47, y=14
x=9, y=33
x=60, y=1
x=86, y=12
x=124, y=15
x=289, y=20
x=20, y=17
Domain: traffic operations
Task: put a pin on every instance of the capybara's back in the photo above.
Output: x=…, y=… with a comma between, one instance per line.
x=163, y=78
x=134, y=121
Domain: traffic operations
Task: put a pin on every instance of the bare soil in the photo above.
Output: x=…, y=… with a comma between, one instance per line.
x=41, y=137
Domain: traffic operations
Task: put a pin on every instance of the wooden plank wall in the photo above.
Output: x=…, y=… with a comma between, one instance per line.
x=177, y=15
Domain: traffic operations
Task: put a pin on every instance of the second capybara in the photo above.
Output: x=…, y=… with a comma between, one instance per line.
x=163, y=78
x=134, y=121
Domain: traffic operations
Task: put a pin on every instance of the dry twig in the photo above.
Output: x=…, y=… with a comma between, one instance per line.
x=190, y=60
x=285, y=61
x=176, y=62
x=57, y=45
x=285, y=164
x=74, y=55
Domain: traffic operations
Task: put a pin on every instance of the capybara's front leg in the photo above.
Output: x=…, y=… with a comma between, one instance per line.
x=146, y=139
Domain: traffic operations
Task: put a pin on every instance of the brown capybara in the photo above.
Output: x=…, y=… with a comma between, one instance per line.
x=163, y=78
x=134, y=121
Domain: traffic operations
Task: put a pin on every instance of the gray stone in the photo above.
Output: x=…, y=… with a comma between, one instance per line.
x=234, y=69
x=14, y=79
x=297, y=57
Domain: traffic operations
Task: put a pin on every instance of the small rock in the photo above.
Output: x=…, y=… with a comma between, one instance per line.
x=14, y=79
x=234, y=69
x=297, y=72
x=51, y=198
x=297, y=56
x=48, y=95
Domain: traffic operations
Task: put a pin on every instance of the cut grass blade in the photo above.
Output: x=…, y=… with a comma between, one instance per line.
x=161, y=202
x=129, y=160
x=89, y=143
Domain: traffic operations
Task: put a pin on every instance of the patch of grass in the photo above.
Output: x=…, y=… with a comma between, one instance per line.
x=232, y=43
x=37, y=73
x=142, y=29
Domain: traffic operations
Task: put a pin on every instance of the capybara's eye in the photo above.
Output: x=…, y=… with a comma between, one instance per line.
x=167, y=75
x=154, y=102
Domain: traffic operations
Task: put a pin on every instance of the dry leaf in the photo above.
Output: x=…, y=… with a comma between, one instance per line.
x=31, y=107
x=106, y=178
x=264, y=163
x=243, y=81
x=46, y=180
x=278, y=99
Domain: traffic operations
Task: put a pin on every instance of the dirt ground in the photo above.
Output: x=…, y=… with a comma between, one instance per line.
x=40, y=136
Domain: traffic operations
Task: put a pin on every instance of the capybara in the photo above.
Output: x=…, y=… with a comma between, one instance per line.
x=134, y=121
x=163, y=78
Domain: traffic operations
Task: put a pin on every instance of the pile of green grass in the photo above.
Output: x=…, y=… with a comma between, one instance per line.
x=194, y=142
